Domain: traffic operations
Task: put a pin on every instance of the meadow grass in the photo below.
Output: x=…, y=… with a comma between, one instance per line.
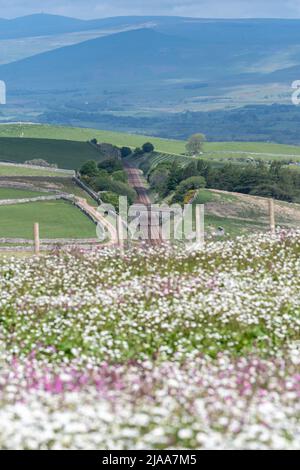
x=169, y=146
x=65, y=153
x=16, y=193
x=20, y=170
x=57, y=219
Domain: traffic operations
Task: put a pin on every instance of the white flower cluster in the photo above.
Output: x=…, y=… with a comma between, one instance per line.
x=159, y=348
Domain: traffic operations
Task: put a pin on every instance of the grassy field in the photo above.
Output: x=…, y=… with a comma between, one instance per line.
x=235, y=149
x=57, y=219
x=240, y=214
x=52, y=183
x=65, y=153
x=82, y=135
x=20, y=170
x=15, y=193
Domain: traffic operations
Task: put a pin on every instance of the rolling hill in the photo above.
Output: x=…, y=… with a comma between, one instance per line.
x=44, y=24
x=65, y=153
x=146, y=74
x=142, y=55
x=68, y=147
x=234, y=52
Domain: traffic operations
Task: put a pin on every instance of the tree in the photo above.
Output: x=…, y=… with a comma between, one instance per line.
x=174, y=178
x=110, y=165
x=148, y=147
x=120, y=175
x=194, y=145
x=89, y=169
x=194, y=182
x=125, y=152
x=138, y=151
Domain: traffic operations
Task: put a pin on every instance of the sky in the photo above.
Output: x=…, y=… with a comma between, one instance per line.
x=195, y=8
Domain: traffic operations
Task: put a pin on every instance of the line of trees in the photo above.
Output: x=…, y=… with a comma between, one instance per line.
x=109, y=179
x=275, y=179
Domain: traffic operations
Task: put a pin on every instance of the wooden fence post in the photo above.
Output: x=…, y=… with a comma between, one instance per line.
x=200, y=235
x=36, y=233
x=120, y=234
x=272, y=216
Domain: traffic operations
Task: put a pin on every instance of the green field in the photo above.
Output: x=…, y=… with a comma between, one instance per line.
x=15, y=193
x=83, y=135
x=57, y=219
x=20, y=170
x=65, y=153
x=121, y=139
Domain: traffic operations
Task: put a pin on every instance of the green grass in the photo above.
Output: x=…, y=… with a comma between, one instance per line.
x=68, y=147
x=132, y=140
x=57, y=219
x=65, y=153
x=83, y=134
x=20, y=170
x=61, y=184
x=255, y=147
x=234, y=226
x=15, y=193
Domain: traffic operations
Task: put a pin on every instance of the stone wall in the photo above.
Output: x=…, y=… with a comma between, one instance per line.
x=8, y=202
x=28, y=186
x=87, y=189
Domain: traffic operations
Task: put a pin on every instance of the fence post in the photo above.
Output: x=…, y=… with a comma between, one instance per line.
x=120, y=234
x=200, y=236
x=36, y=233
x=272, y=216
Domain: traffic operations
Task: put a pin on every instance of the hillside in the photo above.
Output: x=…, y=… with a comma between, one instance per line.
x=14, y=138
x=42, y=24
x=239, y=52
x=157, y=55
x=65, y=153
x=154, y=75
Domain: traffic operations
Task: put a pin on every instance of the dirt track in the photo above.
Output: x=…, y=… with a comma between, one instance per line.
x=149, y=228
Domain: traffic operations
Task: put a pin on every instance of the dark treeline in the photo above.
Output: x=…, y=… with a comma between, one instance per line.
x=274, y=179
x=262, y=123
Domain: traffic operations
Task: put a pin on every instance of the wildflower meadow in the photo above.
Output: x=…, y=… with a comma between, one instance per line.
x=160, y=348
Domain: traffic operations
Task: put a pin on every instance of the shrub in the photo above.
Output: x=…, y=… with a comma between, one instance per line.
x=138, y=151
x=89, y=169
x=110, y=165
x=125, y=152
x=148, y=147
x=118, y=187
x=272, y=190
x=194, y=182
x=120, y=175
x=109, y=197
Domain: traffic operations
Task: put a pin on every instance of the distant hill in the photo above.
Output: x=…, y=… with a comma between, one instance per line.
x=221, y=52
x=154, y=75
x=45, y=24
x=124, y=58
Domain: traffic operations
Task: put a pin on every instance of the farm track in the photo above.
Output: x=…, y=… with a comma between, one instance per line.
x=95, y=214
x=149, y=229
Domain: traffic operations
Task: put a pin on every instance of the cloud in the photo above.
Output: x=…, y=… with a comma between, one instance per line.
x=194, y=8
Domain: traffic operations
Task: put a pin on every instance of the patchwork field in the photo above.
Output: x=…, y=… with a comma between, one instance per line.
x=72, y=155
x=160, y=349
x=57, y=219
